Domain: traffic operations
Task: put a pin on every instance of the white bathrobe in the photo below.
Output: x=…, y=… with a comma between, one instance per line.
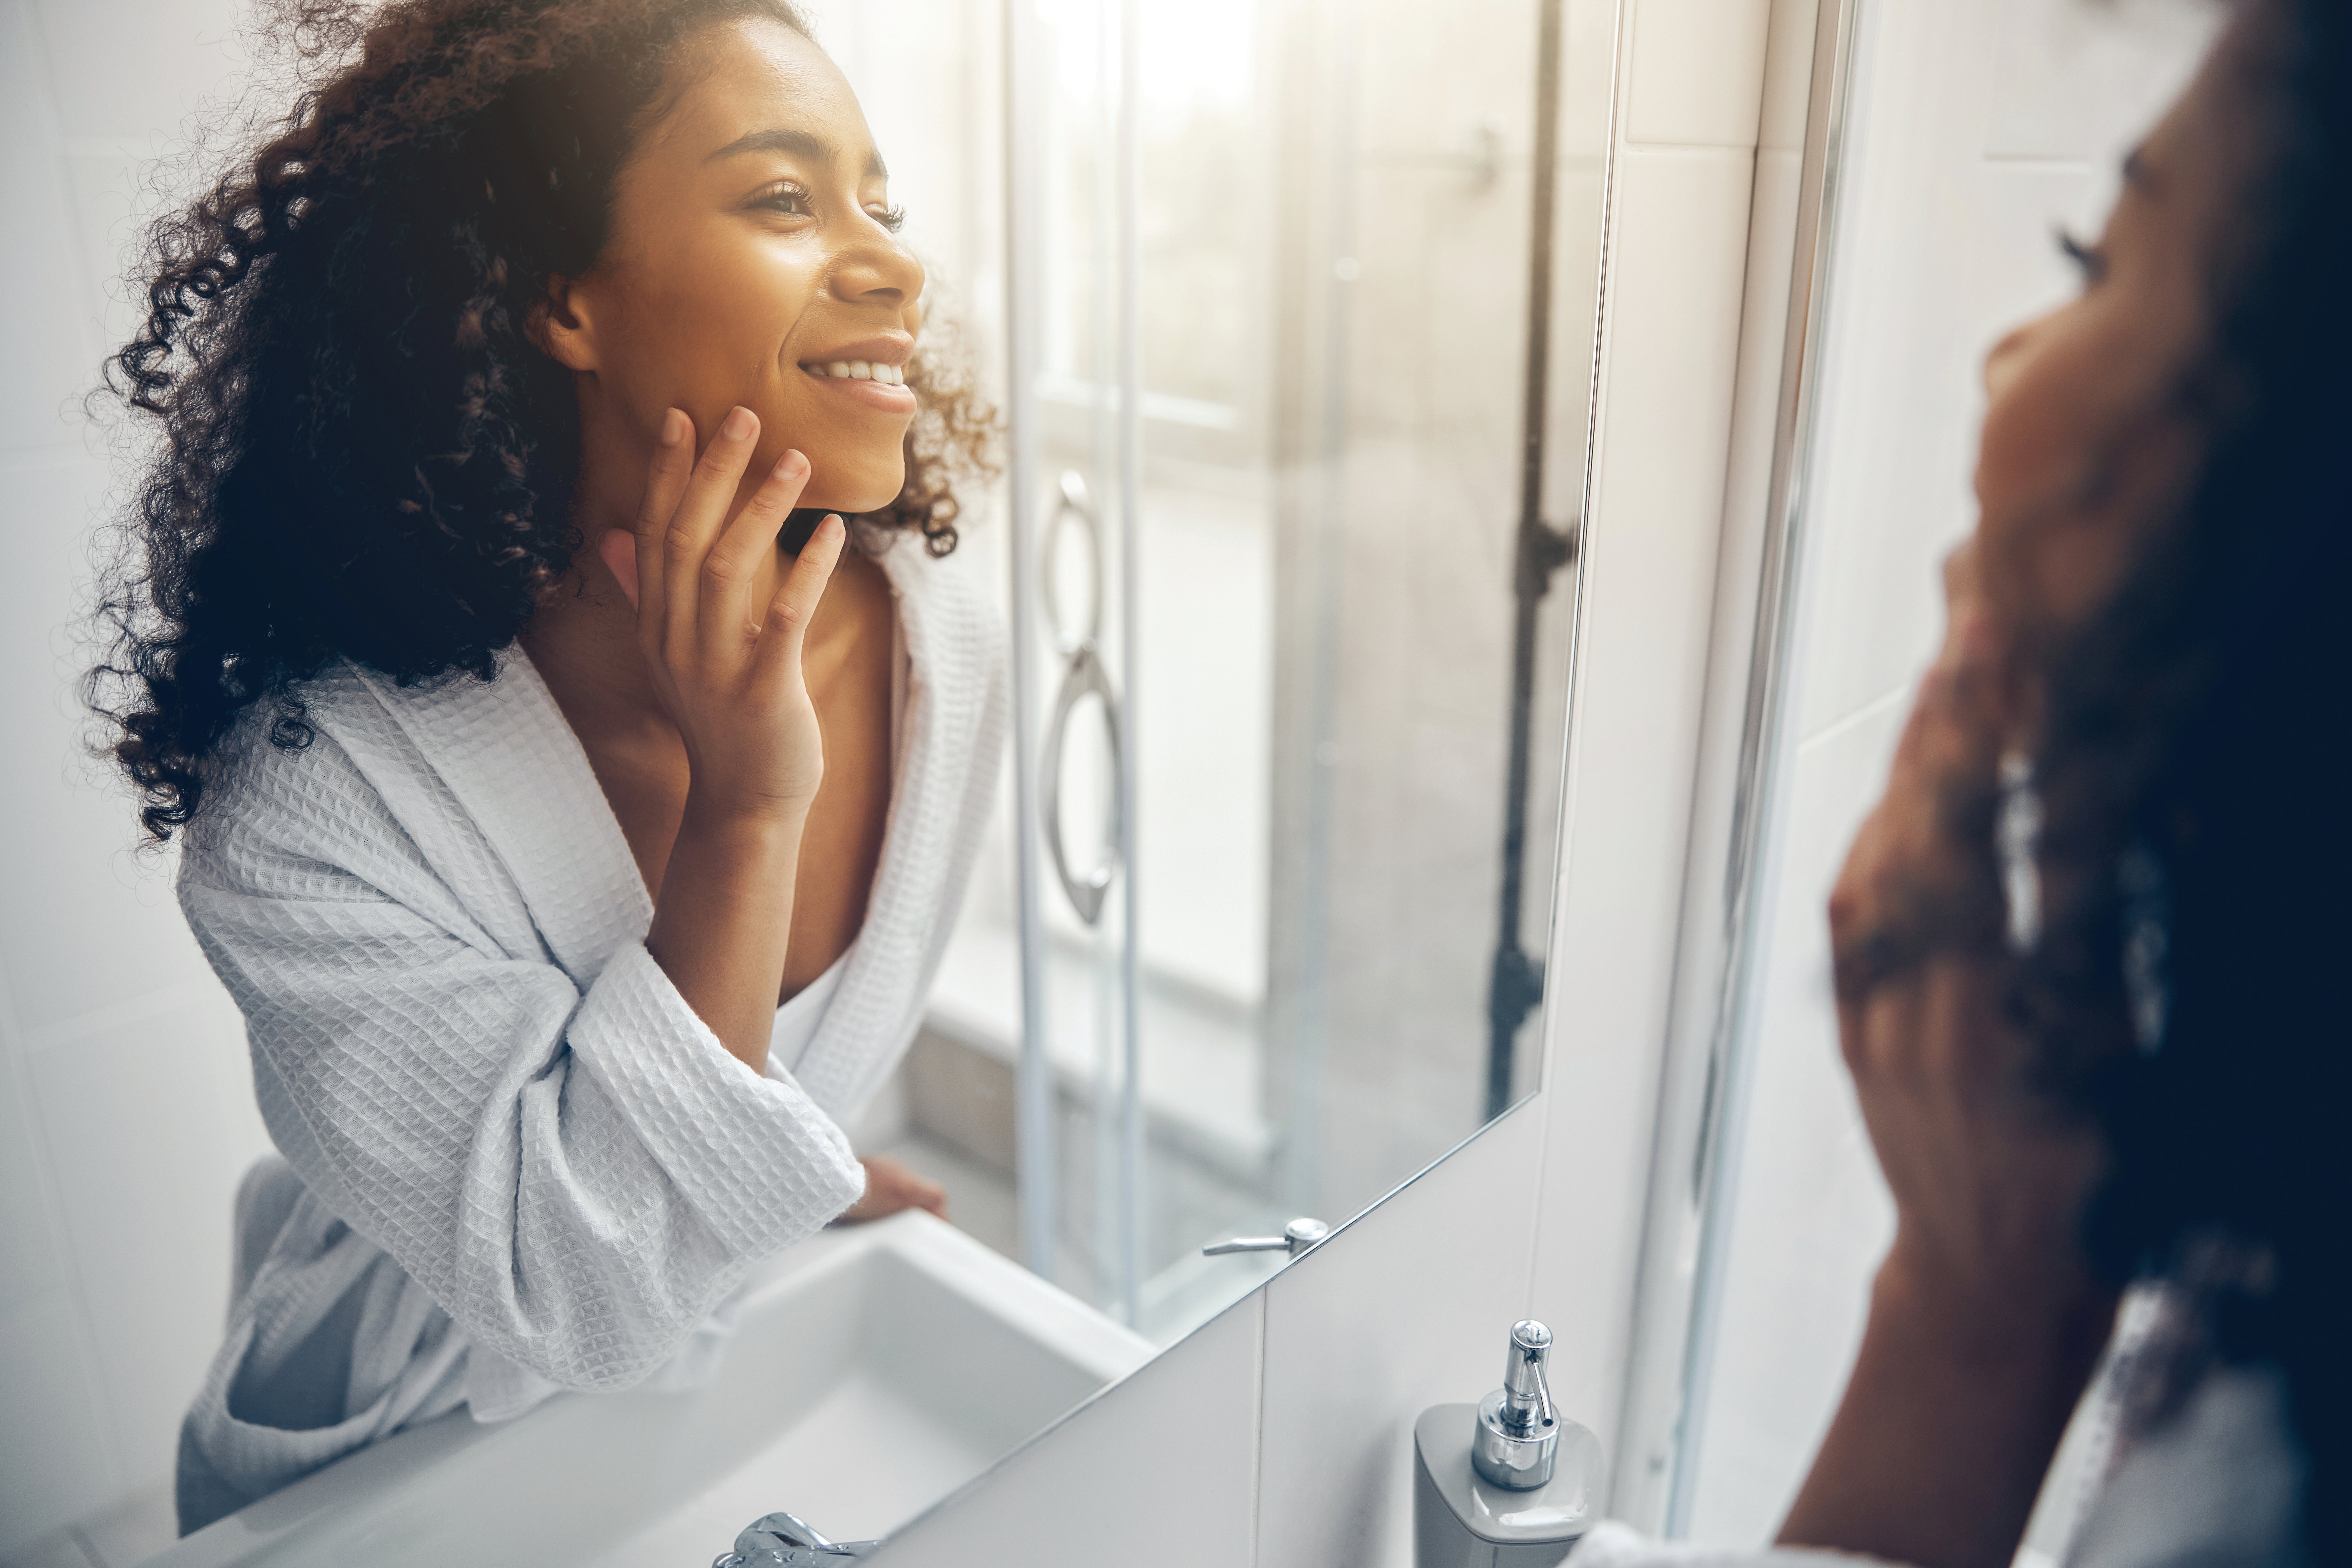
x=514, y=1160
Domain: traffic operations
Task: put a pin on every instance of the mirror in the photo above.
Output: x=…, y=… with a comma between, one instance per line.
x=1291, y=305
x=1288, y=309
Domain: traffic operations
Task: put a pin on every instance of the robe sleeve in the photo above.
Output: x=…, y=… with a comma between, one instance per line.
x=577, y=1177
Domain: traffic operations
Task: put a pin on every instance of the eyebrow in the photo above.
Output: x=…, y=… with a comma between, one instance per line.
x=800, y=143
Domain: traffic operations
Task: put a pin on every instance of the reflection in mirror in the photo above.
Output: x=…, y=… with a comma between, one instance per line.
x=1290, y=576
x=629, y=994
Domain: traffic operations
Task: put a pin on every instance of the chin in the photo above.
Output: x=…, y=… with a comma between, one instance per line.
x=870, y=489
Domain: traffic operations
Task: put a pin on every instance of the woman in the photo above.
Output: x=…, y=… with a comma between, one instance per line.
x=575, y=805
x=2114, y=1051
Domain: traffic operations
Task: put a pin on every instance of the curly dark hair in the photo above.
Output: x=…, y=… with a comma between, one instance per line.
x=361, y=453
x=2196, y=781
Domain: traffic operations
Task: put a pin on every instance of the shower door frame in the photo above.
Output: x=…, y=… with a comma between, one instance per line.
x=1036, y=1173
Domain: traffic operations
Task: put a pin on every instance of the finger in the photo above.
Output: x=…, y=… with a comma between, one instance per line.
x=666, y=482
x=731, y=573
x=930, y=1195
x=701, y=511
x=796, y=602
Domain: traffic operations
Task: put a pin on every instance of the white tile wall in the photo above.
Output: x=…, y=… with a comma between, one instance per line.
x=31, y=1262
x=89, y=920
x=1405, y=1309
x=1280, y=1433
x=1809, y=1215
x=55, y=1463
x=1972, y=130
x=125, y=1111
x=1162, y=1472
x=1944, y=240
x=45, y=348
x=137, y=1108
x=1698, y=77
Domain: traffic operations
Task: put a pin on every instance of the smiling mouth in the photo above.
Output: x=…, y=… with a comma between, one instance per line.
x=858, y=370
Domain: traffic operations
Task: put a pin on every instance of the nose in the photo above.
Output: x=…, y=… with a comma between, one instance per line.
x=2015, y=347
x=874, y=269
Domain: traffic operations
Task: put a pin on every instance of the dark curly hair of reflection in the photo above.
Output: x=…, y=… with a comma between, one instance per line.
x=2196, y=779
x=361, y=455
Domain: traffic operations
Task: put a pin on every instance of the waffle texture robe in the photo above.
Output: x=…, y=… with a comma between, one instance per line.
x=513, y=1160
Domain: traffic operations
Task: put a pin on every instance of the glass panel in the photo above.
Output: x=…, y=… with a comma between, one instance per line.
x=1308, y=590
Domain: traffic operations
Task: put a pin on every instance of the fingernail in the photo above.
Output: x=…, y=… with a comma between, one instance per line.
x=738, y=425
x=789, y=462
x=673, y=426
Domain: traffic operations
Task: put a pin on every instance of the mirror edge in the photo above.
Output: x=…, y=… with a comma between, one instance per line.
x=1708, y=1047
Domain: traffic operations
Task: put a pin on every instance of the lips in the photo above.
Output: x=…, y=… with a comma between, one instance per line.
x=871, y=373
x=868, y=391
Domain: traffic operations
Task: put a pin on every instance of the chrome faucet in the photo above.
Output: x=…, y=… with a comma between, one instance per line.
x=1296, y=1237
x=779, y=1541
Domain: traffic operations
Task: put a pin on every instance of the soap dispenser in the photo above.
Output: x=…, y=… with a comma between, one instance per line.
x=1508, y=1482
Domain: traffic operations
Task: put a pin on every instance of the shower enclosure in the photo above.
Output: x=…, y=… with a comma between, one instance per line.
x=1293, y=474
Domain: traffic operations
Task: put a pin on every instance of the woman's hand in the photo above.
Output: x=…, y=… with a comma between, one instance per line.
x=1988, y=1176
x=891, y=1188
x=1984, y=1321
x=727, y=665
x=727, y=668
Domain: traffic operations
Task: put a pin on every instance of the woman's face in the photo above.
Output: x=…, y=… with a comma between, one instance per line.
x=752, y=260
x=2093, y=437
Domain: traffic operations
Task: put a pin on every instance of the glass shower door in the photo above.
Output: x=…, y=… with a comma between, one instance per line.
x=1286, y=571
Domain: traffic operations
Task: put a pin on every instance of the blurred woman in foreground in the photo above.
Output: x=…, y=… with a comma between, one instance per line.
x=2088, y=945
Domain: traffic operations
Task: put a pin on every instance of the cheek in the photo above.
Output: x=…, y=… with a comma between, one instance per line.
x=2036, y=429
x=707, y=315
x=2077, y=461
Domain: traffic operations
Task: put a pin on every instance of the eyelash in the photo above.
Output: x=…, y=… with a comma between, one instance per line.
x=775, y=195
x=2088, y=259
x=891, y=219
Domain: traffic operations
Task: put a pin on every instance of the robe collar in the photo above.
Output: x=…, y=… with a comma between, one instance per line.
x=503, y=748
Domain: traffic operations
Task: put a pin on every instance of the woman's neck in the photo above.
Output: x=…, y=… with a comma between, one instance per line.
x=582, y=639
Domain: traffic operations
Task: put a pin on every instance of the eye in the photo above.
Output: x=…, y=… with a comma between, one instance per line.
x=2088, y=259
x=891, y=219
x=785, y=197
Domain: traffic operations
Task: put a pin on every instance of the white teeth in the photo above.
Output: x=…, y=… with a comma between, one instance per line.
x=861, y=370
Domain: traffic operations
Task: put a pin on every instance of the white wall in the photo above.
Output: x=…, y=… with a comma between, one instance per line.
x=126, y=1113
x=1972, y=131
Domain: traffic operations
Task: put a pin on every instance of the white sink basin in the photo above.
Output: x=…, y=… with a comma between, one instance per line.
x=873, y=1372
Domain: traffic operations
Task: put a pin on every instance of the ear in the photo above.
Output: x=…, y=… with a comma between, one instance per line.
x=562, y=325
